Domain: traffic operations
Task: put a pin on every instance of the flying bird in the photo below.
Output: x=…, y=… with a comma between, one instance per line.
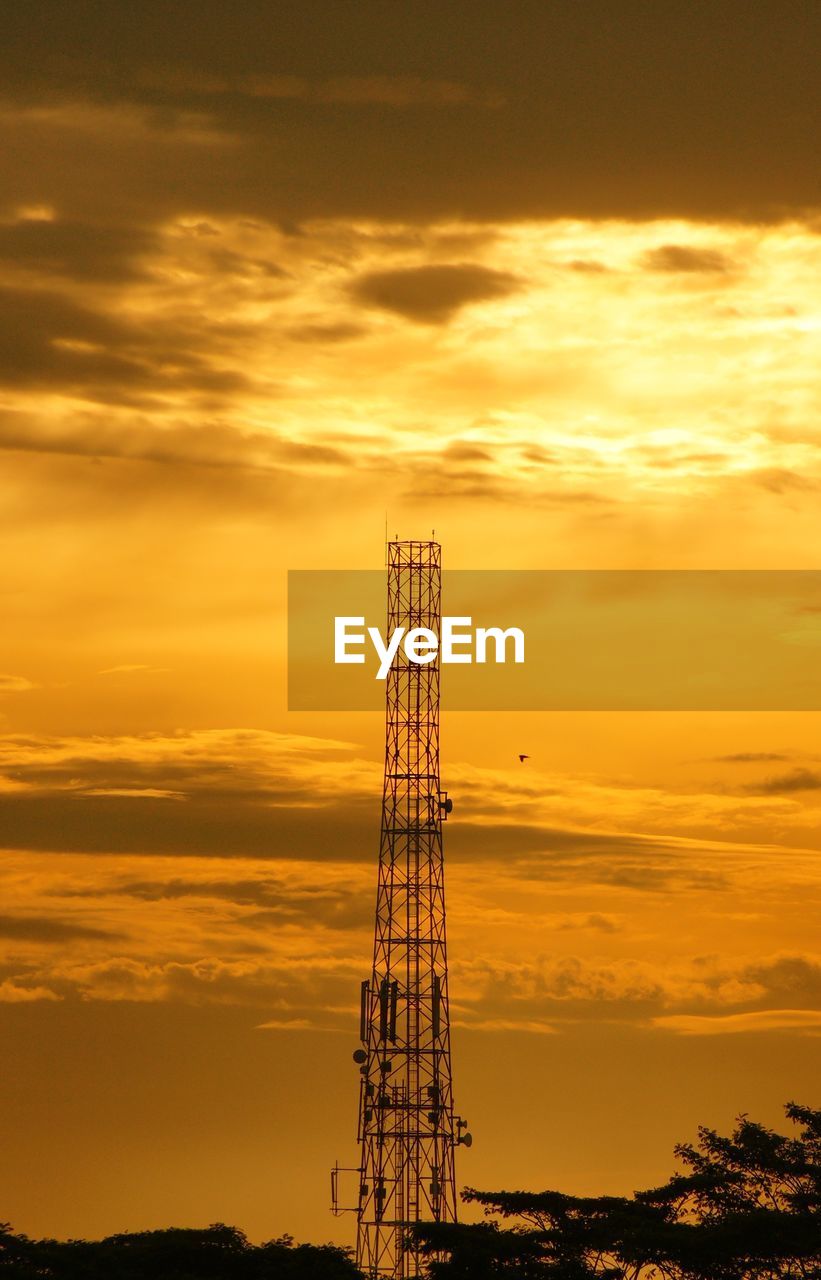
x=523, y=758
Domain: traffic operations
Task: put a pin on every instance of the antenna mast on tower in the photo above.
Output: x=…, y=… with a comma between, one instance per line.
x=407, y=1128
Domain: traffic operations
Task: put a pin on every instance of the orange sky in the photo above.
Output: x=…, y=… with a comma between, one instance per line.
x=548, y=286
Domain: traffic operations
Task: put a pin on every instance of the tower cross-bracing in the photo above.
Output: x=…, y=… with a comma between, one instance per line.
x=407, y=1128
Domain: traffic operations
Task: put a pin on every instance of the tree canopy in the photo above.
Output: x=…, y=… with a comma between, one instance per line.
x=745, y=1207
x=216, y=1253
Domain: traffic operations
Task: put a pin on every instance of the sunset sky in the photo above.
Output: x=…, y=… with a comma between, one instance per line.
x=544, y=276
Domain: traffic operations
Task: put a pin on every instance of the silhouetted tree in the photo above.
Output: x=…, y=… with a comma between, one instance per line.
x=748, y=1207
x=216, y=1253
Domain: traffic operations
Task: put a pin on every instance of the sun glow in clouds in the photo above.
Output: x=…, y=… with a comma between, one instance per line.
x=558, y=360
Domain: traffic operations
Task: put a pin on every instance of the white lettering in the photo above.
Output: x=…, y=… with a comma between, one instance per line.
x=386, y=654
x=342, y=640
x=500, y=637
x=451, y=637
x=421, y=645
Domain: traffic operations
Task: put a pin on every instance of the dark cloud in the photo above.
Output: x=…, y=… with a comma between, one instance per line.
x=322, y=332
x=457, y=483
x=68, y=484
x=77, y=250
x=780, y=480
x=686, y=258
x=242, y=892
x=650, y=864
x=785, y=784
x=420, y=111
x=452, y=479
x=665, y=459
x=588, y=265
x=32, y=319
x=215, y=797
x=752, y=757
x=463, y=451
x=791, y=981
x=49, y=342
x=328, y=911
x=537, y=454
x=555, y=988
x=208, y=445
x=597, y=921
x=42, y=929
x=280, y=900
x=228, y=824
x=659, y=875
x=432, y=294
x=294, y=992
x=227, y=262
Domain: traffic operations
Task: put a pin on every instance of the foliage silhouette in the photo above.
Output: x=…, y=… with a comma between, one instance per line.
x=748, y=1207
x=216, y=1253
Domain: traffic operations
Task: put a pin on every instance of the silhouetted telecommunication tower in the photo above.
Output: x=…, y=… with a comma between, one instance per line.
x=407, y=1127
